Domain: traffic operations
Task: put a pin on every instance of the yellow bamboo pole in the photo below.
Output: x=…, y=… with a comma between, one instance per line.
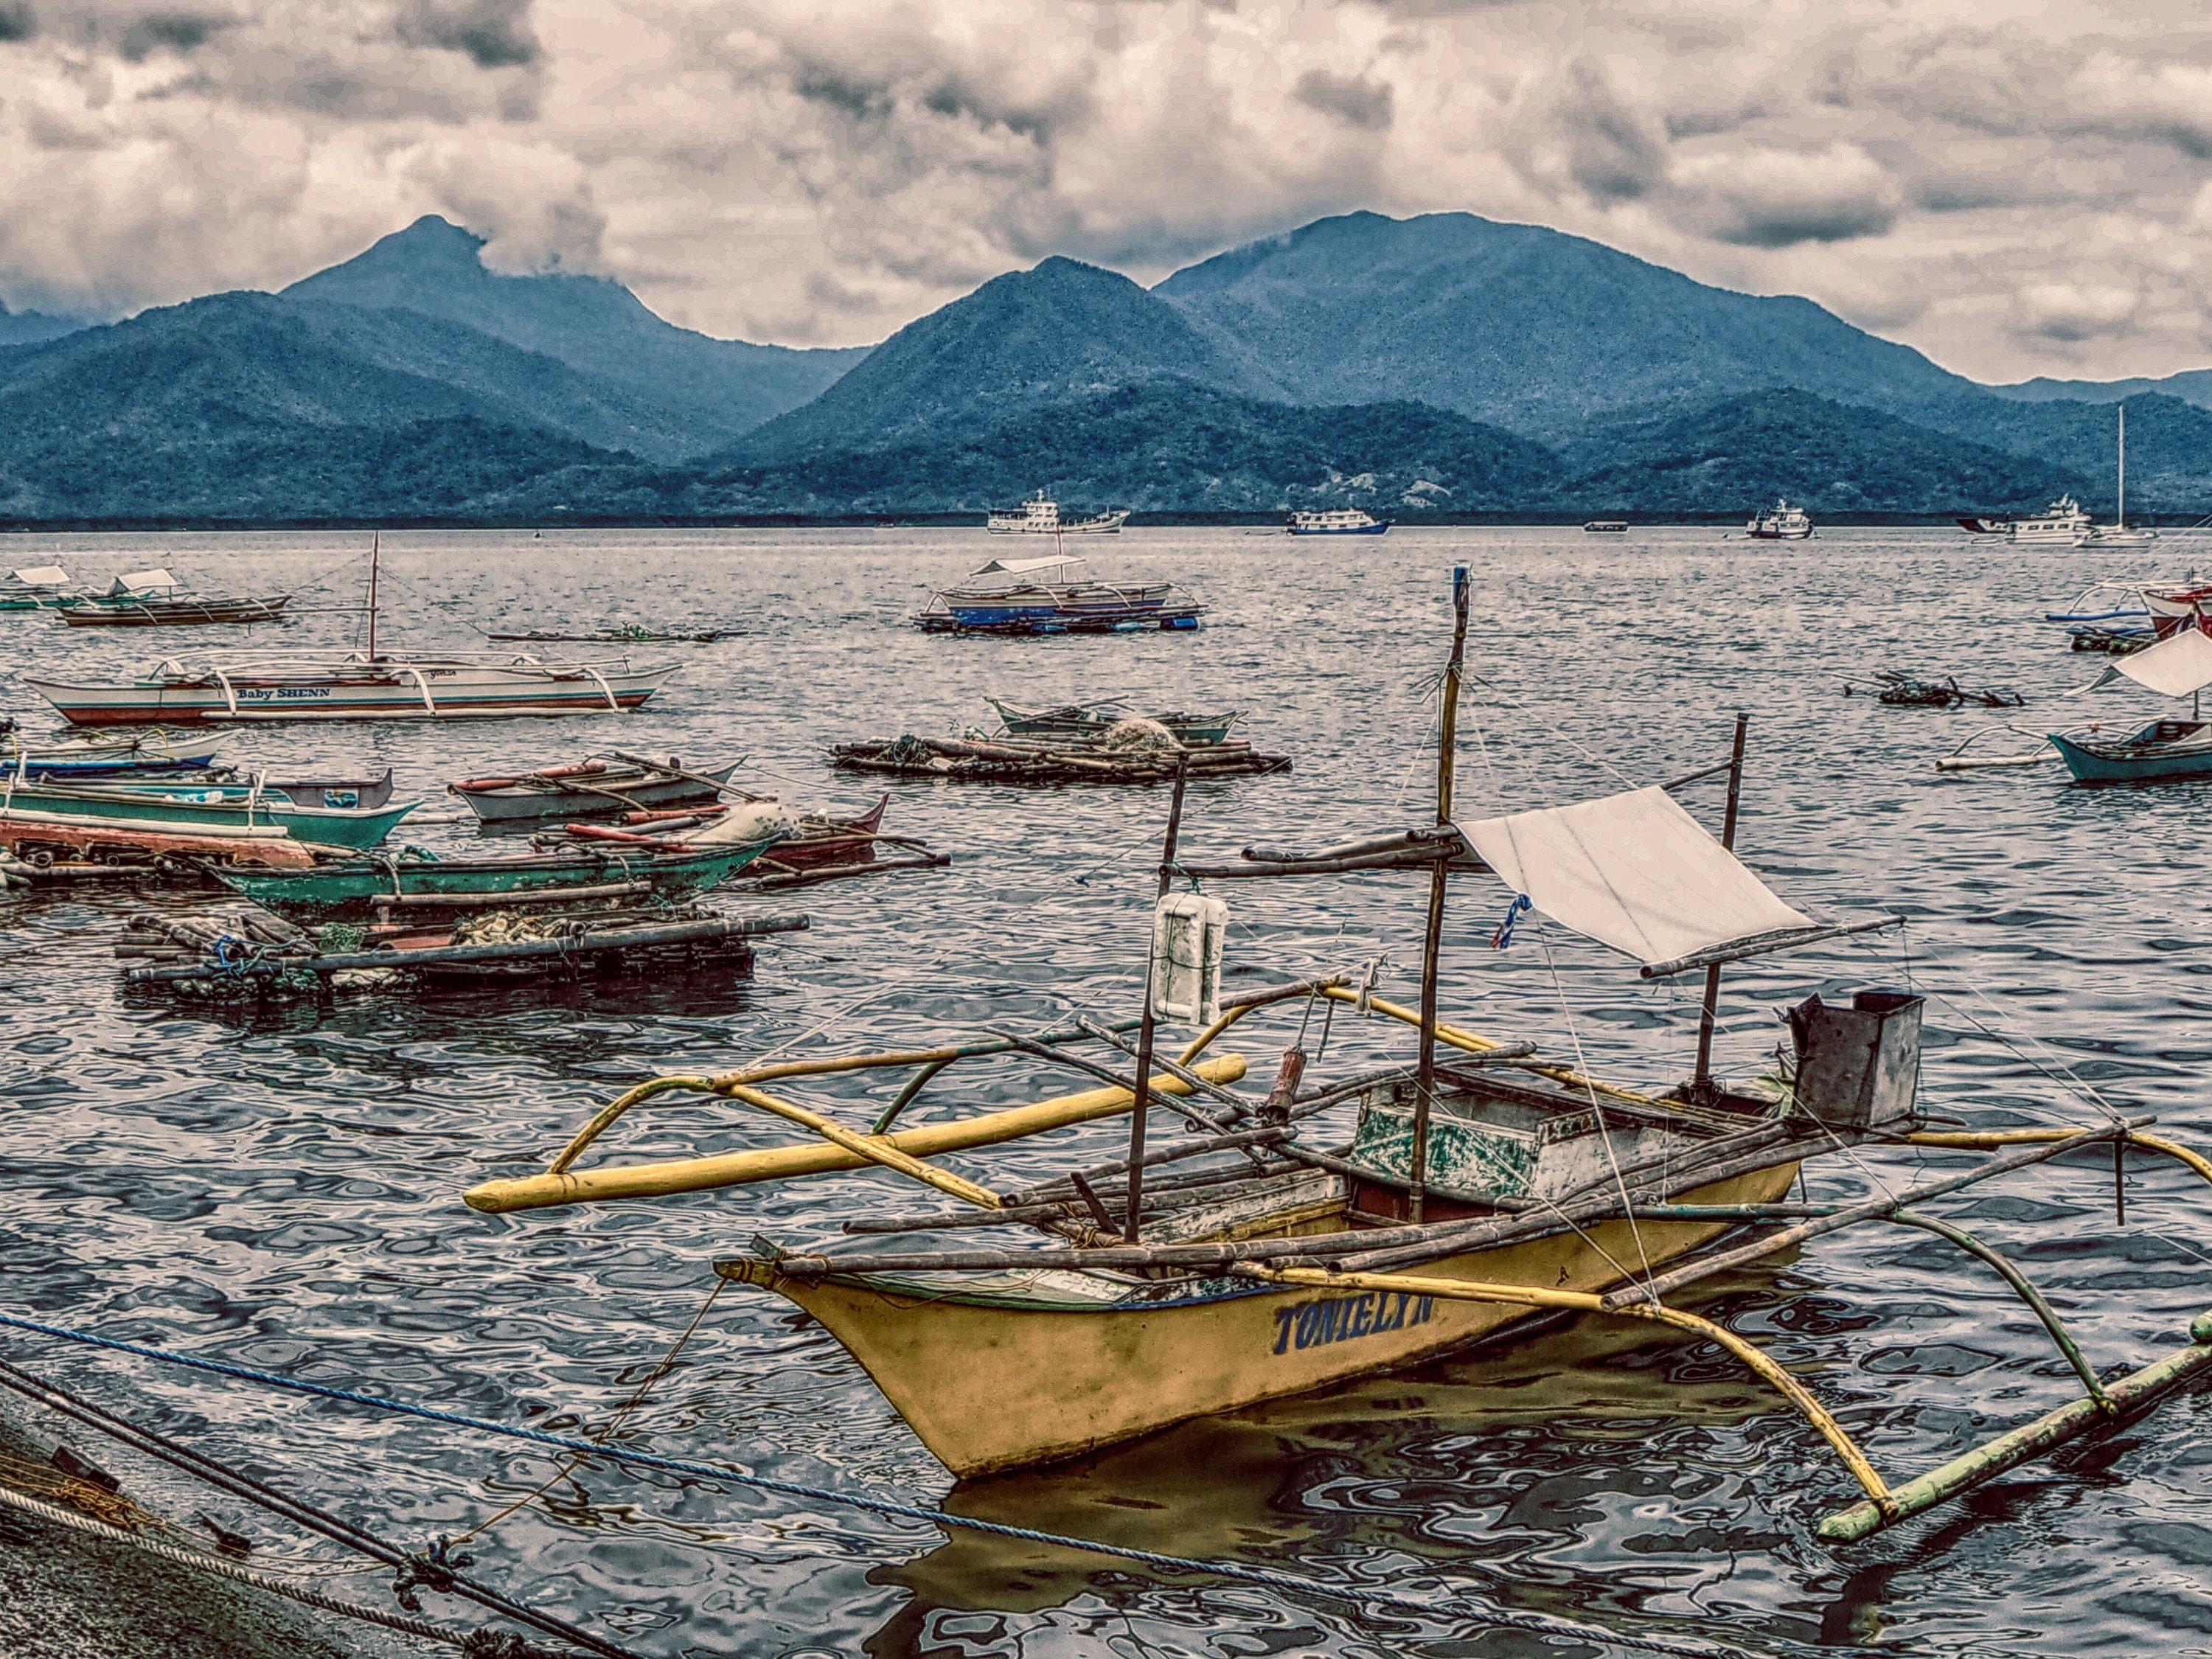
x=871, y=1148
x=693, y=1175
x=1974, y=1140
x=1532, y=1296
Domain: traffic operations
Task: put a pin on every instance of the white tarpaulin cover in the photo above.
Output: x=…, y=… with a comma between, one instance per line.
x=2176, y=666
x=44, y=575
x=144, y=581
x=1022, y=567
x=1632, y=871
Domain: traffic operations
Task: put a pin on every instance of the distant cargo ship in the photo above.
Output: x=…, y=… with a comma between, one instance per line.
x=1343, y=521
x=1039, y=516
x=1780, y=523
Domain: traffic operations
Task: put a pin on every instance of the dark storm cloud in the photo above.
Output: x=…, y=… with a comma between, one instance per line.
x=493, y=34
x=1362, y=103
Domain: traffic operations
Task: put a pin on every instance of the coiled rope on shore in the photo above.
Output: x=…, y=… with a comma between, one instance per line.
x=1270, y=1577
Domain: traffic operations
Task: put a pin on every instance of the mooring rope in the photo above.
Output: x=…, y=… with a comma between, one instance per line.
x=1271, y=1577
x=59, y=1516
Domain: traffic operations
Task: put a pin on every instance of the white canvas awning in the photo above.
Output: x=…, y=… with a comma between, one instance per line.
x=1637, y=872
x=43, y=575
x=1022, y=567
x=144, y=581
x=2175, y=666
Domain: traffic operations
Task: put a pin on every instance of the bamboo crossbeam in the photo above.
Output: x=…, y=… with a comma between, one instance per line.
x=1763, y=944
x=1652, y=1290
x=693, y=1175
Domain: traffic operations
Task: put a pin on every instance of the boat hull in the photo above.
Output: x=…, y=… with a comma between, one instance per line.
x=173, y=613
x=990, y=1384
x=111, y=758
x=1382, y=527
x=499, y=807
x=459, y=692
x=221, y=814
x=347, y=892
x=2131, y=763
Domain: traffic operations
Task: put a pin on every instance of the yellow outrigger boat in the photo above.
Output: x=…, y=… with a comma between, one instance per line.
x=1244, y=1264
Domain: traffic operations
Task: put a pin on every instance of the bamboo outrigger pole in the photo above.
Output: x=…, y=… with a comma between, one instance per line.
x=1709, y=1012
x=1142, y=1094
x=1447, y=741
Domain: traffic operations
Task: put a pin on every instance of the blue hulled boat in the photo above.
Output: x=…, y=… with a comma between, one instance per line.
x=2179, y=666
x=1032, y=603
x=1343, y=521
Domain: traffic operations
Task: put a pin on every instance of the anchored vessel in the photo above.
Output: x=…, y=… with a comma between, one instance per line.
x=360, y=686
x=1039, y=516
x=1483, y=1182
x=1040, y=596
x=1342, y=521
x=39, y=587
x=1088, y=721
x=155, y=598
x=1780, y=523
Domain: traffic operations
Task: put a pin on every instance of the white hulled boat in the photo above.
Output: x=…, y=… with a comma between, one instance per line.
x=363, y=685
x=1040, y=516
x=2064, y=523
x=1780, y=523
x=1341, y=522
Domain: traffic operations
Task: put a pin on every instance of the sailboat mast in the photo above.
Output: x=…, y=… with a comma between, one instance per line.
x=375, y=544
x=2122, y=514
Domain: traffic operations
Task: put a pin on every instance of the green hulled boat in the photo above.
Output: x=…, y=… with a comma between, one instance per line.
x=198, y=809
x=348, y=890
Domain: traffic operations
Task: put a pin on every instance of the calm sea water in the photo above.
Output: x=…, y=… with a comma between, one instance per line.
x=284, y=1189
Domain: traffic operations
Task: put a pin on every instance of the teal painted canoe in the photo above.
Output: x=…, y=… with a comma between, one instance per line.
x=2164, y=749
x=198, y=809
x=346, y=891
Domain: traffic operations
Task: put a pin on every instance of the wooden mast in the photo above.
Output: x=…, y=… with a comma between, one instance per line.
x=1142, y=1095
x=375, y=543
x=1709, y=1010
x=1446, y=742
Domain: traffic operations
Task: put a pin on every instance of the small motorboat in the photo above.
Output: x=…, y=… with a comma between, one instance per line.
x=2179, y=666
x=325, y=817
x=1606, y=527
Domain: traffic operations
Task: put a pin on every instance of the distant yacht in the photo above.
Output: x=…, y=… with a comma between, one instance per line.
x=1345, y=521
x=2117, y=534
x=2064, y=523
x=1039, y=516
x=1780, y=523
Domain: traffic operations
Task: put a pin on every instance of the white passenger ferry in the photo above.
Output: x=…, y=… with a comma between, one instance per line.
x=1039, y=516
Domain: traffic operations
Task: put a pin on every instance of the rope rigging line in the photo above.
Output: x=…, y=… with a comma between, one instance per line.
x=1271, y=1577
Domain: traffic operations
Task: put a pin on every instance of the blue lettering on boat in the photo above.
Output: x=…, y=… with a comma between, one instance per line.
x=1344, y=1318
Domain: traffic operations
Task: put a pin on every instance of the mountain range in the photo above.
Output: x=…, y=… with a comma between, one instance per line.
x=1434, y=366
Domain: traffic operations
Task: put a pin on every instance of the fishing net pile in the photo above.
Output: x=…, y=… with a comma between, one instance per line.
x=1138, y=736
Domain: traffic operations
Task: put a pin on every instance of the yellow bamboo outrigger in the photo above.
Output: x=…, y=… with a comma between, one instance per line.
x=1476, y=1194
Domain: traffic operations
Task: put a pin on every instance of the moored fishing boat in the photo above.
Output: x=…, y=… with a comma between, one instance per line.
x=112, y=755
x=2179, y=666
x=196, y=808
x=349, y=890
x=365, y=685
x=155, y=598
x=1091, y=721
x=1026, y=605
x=590, y=788
x=41, y=587
x=1474, y=1193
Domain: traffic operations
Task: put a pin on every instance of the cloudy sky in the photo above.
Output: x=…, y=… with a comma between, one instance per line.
x=2014, y=186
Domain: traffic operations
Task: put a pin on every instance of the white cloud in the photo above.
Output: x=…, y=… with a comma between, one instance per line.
x=1983, y=178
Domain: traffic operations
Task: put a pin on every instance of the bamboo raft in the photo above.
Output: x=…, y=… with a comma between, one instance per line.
x=1008, y=760
x=1486, y=1184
